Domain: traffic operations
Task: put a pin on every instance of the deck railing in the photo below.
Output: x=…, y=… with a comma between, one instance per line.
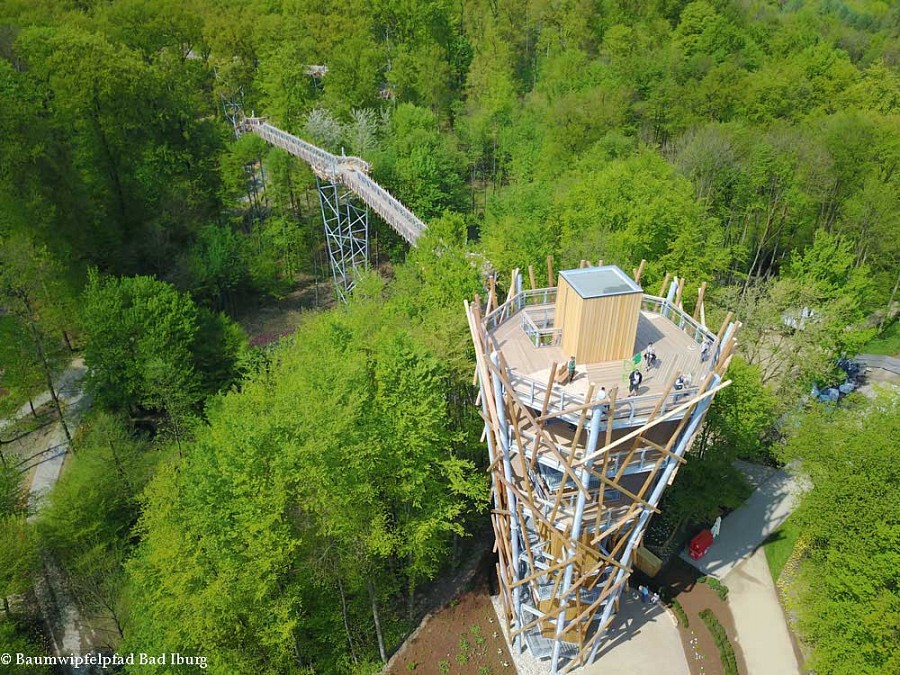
x=679, y=317
x=537, y=323
x=628, y=410
x=529, y=298
x=538, y=326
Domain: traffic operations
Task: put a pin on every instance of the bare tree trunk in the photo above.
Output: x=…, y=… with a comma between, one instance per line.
x=890, y=304
x=346, y=622
x=33, y=412
x=39, y=348
x=378, y=632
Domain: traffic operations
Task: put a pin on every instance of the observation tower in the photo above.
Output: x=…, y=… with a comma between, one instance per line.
x=579, y=463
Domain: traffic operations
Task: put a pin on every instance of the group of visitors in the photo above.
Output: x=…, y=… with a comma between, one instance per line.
x=651, y=360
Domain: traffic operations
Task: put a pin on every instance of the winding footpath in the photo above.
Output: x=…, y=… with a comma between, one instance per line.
x=65, y=625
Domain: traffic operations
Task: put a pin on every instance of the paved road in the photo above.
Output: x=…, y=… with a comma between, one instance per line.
x=745, y=528
x=49, y=463
x=737, y=557
x=642, y=640
x=759, y=621
x=68, y=386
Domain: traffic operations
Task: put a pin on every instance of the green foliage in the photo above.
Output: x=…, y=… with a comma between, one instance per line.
x=679, y=612
x=12, y=493
x=22, y=376
x=886, y=343
x=720, y=588
x=86, y=524
x=131, y=325
x=779, y=545
x=360, y=477
x=740, y=416
x=19, y=638
x=848, y=585
x=217, y=265
x=419, y=165
x=723, y=644
x=148, y=345
x=750, y=145
x=19, y=558
x=736, y=427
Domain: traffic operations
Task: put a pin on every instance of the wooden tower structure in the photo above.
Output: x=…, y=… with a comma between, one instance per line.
x=578, y=466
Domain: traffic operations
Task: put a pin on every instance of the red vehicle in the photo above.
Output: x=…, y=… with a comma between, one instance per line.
x=700, y=544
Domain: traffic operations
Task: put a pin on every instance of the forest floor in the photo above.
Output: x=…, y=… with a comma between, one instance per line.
x=266, y=319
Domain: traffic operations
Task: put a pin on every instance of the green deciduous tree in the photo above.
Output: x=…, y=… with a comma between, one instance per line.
x=848, y=600
x=145, y=347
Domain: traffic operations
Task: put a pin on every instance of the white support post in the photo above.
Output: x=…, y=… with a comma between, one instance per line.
x=511, y=503
x=584, y=477
x=662, y=482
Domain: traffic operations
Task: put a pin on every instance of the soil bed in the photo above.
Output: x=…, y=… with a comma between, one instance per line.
x=680, y=581
x=462, y=637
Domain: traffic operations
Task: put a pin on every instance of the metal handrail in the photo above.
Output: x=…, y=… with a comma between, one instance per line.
x=627, y=409
x=664, y=308
x=349, y=170
x=540, y=336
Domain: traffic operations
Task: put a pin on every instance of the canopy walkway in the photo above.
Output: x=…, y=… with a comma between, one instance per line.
x=351, y=172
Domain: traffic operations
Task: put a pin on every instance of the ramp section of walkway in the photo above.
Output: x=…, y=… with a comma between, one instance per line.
x=888, y=363
x=745, y=528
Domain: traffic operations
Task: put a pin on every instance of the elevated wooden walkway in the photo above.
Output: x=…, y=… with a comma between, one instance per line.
x=349, y=171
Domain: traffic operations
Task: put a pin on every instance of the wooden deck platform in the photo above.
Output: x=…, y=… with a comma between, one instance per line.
x=676, y=350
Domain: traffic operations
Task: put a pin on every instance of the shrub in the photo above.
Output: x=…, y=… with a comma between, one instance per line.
x=720, y=589
x=726, y=652
x=676, y=607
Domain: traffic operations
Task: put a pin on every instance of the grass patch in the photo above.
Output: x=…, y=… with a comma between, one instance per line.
x=676, y=607
x=886, y=344
x=720, y=588
x=779, y=545
x=723, y=644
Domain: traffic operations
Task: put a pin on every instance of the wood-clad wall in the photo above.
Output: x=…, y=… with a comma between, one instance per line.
x=597, y=329
x=568, y=313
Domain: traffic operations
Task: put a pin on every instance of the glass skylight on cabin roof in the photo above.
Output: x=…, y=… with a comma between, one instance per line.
x=598, y=282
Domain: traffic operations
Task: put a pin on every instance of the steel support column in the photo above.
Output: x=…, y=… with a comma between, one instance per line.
x=346, y=234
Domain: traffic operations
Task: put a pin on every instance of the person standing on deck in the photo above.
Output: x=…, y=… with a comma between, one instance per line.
x=571, y=369
x=634, y=381
x=704, y=349
x=650, y=356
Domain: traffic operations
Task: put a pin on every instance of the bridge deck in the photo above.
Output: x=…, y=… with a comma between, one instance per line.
x=349, y=171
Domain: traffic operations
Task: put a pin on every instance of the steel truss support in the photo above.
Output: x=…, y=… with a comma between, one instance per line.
x=346, y=234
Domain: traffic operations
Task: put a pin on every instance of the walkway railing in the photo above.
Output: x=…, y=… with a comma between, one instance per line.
x=538, y=326
x=350, y=171
x=679, y=317
x=629, y=411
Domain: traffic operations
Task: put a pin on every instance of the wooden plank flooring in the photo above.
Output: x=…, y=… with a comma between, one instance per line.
x=676, y=351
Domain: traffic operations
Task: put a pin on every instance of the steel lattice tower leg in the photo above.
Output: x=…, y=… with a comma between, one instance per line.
x=346, y=234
